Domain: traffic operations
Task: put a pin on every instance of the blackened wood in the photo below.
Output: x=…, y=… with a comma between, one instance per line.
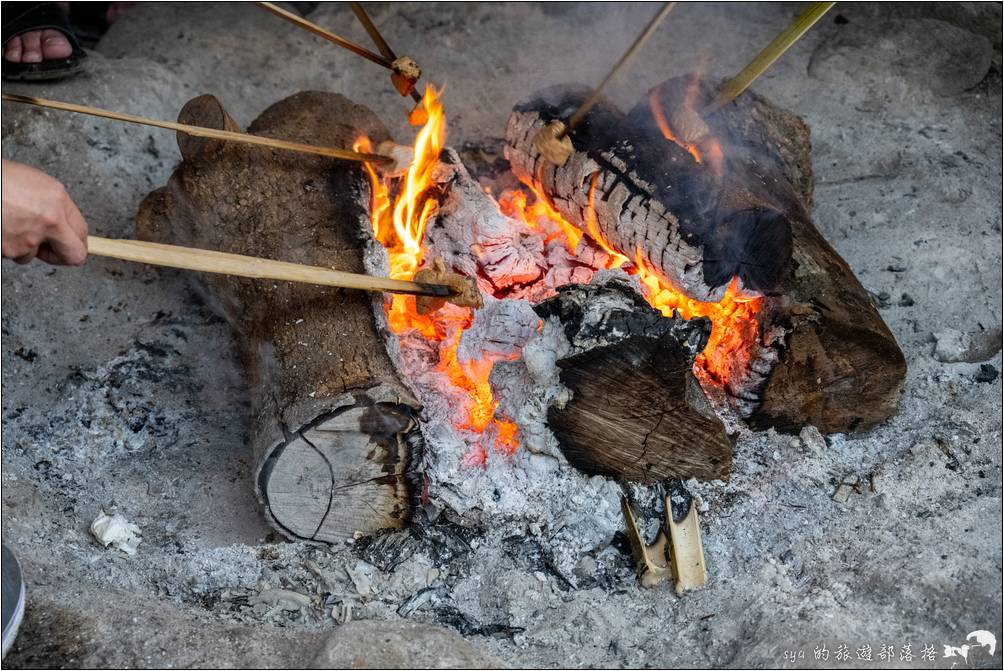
x=637, y=413
x=839, y=366
x=332, y=427
x=695, y=223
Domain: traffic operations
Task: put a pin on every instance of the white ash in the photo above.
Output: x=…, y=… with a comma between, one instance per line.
x=283, y=599
x=470, y=232
x=473, y=237
x=499, y=331
x=527, y=387
x=515, y=269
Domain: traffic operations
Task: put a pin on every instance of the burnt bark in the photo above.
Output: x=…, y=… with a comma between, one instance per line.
x=838, y=366
x=637, y=412
x=332, y=427
x=696, y=224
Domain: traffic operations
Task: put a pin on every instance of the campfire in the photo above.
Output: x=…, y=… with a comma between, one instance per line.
x=641, y=304
x=533, y=252
x=652, y=287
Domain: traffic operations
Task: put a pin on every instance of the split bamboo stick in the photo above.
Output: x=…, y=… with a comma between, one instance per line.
x=297, y=20
x=628, y=55
x=773, y=51
x=199, y=131
x=207, y=261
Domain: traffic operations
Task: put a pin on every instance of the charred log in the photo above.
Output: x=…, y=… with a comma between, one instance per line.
x=836, y=366
x=332, y=427
x=637, y=412
x=689, y=221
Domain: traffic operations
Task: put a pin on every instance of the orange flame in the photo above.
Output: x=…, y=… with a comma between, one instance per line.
x=399, y=225
x=400, y=211
x=734, y=325
x=705, y=149
x=592, y=228
x=663, y=123
x=539, y=216
x=733, y=321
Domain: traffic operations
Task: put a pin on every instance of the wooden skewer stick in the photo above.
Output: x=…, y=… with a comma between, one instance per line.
x=780, y=44
x=372, y=31
x=204, y=260
x=379, y=41
x=552, y=140
x=326, y=34
x=628, y=55
x=199, y=131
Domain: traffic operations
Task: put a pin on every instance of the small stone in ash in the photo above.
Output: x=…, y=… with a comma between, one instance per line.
x=845, y=488
x=906, y=300
x=360, y=579
x=813, y=439
x=586, y=568
x=987, y=373
x=881, y=300
x=952, y=346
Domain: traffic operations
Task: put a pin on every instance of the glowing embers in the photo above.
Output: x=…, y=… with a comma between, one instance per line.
x=539, y=217
x=400, y=211
x=449, y=354
x=735, y=329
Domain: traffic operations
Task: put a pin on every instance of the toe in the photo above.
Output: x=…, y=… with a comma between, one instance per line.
x=12, y=52
x=31, y=47
x=55, y=45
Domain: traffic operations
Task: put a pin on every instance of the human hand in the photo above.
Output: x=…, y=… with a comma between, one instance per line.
x=40, y=219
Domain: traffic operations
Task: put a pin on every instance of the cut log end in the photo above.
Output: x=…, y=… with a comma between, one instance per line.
x=836, y=376
x=346, y=473
x=207, y=112
x=332, y=427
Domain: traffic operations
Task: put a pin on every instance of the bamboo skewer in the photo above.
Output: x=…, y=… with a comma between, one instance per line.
x=552, y=140
x=207, y=261
x=378, y=40
x=326, y=34
x=780, y=44
x=199, y=131
x=628, y=55
x=372, y=31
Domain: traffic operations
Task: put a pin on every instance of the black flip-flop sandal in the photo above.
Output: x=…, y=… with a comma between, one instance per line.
x=25, y=17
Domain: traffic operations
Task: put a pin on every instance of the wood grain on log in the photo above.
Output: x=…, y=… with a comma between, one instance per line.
x=637, y=412
x=332, y=426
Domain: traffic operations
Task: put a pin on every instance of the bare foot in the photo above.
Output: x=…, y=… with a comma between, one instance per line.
x=37, y=46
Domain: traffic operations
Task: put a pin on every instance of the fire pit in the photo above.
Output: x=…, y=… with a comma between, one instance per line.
x=641, y=303
x=125, y=394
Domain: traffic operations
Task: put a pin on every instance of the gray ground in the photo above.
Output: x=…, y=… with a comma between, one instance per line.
x=120, y=388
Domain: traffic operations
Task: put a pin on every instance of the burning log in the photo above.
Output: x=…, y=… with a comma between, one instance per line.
x=333, y=429
x=637, y=412
x=651, y=200
x=733, y=205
